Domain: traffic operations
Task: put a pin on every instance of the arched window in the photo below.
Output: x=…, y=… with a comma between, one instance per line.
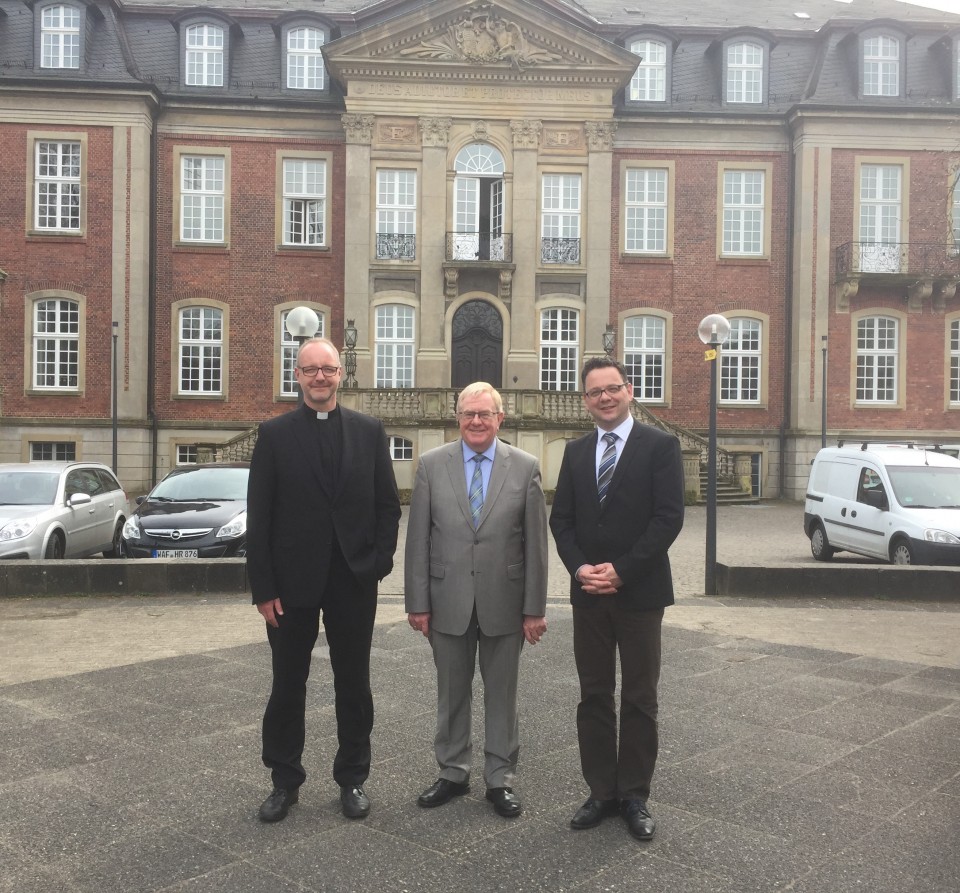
x=740, y=362
x=289, y=346
x=60, y=37
x=204, y=55
x=201, y=350
x=56, y=344
x=644, y=355
x=559, y=349
x=881, y=66
x=649, y=81
x=878, y=346
x=478, y=204
x=745, y=72
x=305, y=69
x=394, y=346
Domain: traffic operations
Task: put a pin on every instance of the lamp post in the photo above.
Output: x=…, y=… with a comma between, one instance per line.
x=823, y=397
x=350, y=354
x=301, y=323
x=713, y=331
x=116, y=332
x=609, y=339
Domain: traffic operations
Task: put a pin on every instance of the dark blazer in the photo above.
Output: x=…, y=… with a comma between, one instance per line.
x=294, y=512
x=641, y=516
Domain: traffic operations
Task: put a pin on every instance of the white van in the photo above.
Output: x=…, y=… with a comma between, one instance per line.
x=896, y=502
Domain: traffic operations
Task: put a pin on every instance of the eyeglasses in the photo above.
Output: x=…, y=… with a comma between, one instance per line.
x=611, y=390
x=468, y=415
x=311, y=371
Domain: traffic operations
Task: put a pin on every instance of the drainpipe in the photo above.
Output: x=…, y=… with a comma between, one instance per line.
x=152, y=303
x=788, y=321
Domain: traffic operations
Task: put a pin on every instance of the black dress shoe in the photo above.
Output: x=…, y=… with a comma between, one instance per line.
x=278, y=804
x=639, y=821
x=354, y=803
x=593, y=812
x=442, y=791
x=505, y=802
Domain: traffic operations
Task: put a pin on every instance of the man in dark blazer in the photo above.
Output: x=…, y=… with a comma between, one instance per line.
x=323, y=519
x=476, y=582
x=618, y=507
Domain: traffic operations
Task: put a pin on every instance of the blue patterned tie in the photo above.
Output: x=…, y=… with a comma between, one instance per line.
x=476, y=491
x=607, y=462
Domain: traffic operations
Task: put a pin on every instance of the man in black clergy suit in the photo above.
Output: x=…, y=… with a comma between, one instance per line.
x=618, y=507
x=322, y=529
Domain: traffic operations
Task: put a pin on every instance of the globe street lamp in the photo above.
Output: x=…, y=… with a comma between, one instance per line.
x=713, y=331
x=301, y=323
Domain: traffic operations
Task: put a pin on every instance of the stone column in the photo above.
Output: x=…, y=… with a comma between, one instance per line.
x=598, y=231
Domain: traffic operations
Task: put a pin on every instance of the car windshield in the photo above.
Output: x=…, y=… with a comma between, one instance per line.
x=204, y=485
x=926, y=486
x=28, y=487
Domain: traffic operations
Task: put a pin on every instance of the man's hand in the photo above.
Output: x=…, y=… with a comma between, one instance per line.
x=420, y=622
x=599, y=579
x=534, y=628
x=270, y=611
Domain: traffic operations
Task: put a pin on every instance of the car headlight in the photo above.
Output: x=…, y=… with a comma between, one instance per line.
x=131, y=530
x=236, y=527
x=17, y=529
x=932, y=535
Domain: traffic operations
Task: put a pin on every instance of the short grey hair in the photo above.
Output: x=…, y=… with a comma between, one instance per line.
x=477, y=388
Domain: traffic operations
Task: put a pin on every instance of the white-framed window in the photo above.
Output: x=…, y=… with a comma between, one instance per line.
x=956, y=69
x=201, y=350
x=878, y=339
x=646, y=198
x=394, y=346
x=305, y=70
x=53, y=451
x=56, y=345
x=204, y=55
x=955, y=211
x=743, y=212
x=560, y=221
x=559, y=349
x=202, y=197
x=186, y=454
x=289, y=346
x=401, y=449
x=60, y=37
x=396, y=214
x=649, y=81
x=644, y=355
x=955, y=362
x=880, y=217
x=741, y=361
x=745, y=73
x=58, y=185
x=881, y=66
x=304, y=201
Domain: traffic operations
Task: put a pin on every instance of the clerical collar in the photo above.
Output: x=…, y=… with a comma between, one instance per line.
x=323, y=416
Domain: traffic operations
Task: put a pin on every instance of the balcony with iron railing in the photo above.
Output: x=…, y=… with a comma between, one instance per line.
x=559, y=251
x=479, y=246
x=396, y=246
x=927, y=259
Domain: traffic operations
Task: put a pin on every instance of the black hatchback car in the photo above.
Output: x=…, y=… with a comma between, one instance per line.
x=198, y=511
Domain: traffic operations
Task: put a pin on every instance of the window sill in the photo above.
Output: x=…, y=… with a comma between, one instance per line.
x=193, y=397
x=654, y=259
x=201, y=248
x=883, y=407
x=300, y=250
x=54, y=392
x=730, y=260
x=56, y=235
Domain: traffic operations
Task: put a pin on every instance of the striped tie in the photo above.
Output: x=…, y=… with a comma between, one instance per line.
x=607, y=463
x=476, y=491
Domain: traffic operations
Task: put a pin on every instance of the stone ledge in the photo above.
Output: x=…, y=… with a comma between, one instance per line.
x=148, y=576
x=880, y=581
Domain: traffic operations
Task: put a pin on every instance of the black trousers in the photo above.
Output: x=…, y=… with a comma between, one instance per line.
x=348, y=611
x=617, y=768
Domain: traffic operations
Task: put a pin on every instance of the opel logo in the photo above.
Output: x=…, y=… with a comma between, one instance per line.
x=175, y=535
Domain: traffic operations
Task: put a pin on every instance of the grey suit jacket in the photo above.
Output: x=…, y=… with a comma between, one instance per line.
x=500, y=568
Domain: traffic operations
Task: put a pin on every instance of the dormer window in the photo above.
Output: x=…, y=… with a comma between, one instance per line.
x=881, y=66
x=203, y=64
x=60, y=37
x=649, y=81
x=305, y=69
x=744, y=72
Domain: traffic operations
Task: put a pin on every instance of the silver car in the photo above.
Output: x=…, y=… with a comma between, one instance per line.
x=60, y=510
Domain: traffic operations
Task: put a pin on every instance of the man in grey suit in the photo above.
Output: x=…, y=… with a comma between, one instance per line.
x=476, y=580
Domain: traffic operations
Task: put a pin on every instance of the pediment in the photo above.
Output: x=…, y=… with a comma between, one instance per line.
x=453, y=40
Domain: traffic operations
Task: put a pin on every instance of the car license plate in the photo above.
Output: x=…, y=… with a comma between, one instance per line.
x=175, y=553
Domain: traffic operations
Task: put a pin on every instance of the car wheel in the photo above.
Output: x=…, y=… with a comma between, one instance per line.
x=819, y=544
x=116, y=549
x=901, y=552
x=55, y=546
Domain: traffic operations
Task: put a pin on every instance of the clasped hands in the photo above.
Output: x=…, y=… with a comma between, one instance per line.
x=599, y=579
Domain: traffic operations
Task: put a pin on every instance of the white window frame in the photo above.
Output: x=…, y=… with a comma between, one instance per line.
x=955, y=212
x=305, y=68
x=559, y=349
x=186, y=454
x=289, y=347
x=201, y=335
x=58, y=185
x=561, y=210
x=60, y=36
x=401, y=449
x=877, y=341
x=203, y=181
x=646, y=206
x=53, y=451
x=741, y=362
x=881, y=214
x=305, y=202
x=881, y=65
x=645, y=356
x=204, y=55
x=56, y=344
x=397, y=206
x=744, y=212
x=953, y=352
x=394, y=347
x=649, y=81
x=745, y=64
